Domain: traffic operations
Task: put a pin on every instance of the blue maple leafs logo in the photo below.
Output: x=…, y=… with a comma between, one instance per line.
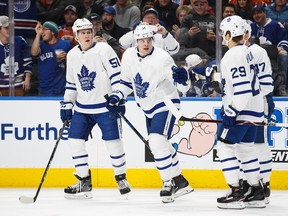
x=141, y=87
x=86, y=79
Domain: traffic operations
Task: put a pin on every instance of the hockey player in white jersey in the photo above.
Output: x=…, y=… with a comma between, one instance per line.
x=147, y=71
x=93, y=70
x=264, y=73
x=242, y=100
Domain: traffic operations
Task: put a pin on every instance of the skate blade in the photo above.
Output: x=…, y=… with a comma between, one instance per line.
x=86, y=195
x=232, y=205
x=267, y=200
x=168, y=199
x=183, y=191
x=255, y=204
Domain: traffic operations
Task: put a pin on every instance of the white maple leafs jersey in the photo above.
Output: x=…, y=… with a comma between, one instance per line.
x=264, y=68
x=90, y=75
x=150, y=78
x=240, y=84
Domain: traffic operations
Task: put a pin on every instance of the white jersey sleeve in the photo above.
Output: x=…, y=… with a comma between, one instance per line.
x=169, y=43
x=127, y=40
x=263, y=68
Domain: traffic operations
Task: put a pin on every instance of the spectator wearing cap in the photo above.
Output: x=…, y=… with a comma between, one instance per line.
x=22, y=62
x=127, y=14
x=51, y=57
x=194, y=29
x=167, y=13
x=100, y=35
x=65, y=31
x=51, y=10
x=270, y=32
x=162, y=38
x=109, y=24
x=278, y=11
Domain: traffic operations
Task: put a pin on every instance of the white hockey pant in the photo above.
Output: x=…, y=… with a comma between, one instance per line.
x=115, y=149
x=160, y=148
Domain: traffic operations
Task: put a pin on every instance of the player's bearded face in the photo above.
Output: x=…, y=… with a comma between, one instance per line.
x=145, y=45
x=85, y=38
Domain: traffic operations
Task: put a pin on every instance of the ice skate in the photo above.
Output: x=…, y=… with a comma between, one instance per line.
x=81, y=190
x=181, y=186
x=232, y=200
x=123, y=185
x=255, y=197
x=267, y=192
x=167, y=192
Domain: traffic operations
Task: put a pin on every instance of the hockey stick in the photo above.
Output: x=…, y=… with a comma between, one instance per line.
x=131, y=126
x=25, y=199
x=172, y=108
x=273, y=121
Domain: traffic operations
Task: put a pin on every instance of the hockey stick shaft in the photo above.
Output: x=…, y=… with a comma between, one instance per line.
x=25, y=199
x=131, y=125
x=173, y=109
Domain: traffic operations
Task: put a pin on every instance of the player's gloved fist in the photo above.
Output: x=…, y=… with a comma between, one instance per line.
x=180, y=75
x=229, y=117
x=66, y=111
x=270, y=105
x=114, y=104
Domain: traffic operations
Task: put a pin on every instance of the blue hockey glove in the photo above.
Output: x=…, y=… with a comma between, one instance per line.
x=66, y=111
x=270, y=105
x=229, y=117
x=180, y=75
x=114, y=104
x=201, y=70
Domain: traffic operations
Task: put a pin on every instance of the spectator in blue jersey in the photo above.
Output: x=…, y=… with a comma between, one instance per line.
x=22, y=62
x=271, y=32
x=278, y=11
x=51, y=54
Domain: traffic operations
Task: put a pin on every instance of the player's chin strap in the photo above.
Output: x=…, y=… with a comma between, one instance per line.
x=173, y=109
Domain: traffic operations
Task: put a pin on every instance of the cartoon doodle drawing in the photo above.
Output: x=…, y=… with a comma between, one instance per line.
x=201, y=138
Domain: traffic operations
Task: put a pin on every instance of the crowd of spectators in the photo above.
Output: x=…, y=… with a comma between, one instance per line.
x=182, y=28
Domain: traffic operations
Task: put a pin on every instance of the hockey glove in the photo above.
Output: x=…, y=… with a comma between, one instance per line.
x=115, y=105
x=66, y=111
x=180, y=75
x=269, y=108
x=229, y=117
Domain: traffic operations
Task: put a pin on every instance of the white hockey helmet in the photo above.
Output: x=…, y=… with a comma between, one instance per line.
x=192, y=60
x=81, y=24
x=247, y=28
x=233, y=24
x=143, y=31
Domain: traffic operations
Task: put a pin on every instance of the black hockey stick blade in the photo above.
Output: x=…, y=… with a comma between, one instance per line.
x=27, y=200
